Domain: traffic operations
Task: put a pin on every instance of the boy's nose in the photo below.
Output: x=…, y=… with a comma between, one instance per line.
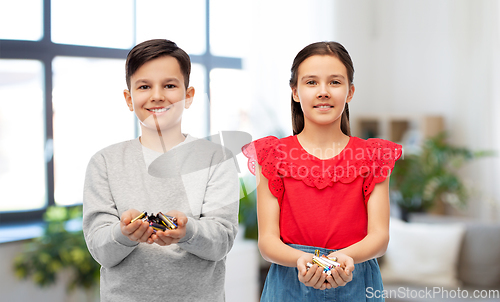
x=157, y=95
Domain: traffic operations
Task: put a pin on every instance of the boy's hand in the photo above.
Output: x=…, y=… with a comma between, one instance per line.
x=314, y=277
x=169, y=237
x=343, y=274
x=138, y=230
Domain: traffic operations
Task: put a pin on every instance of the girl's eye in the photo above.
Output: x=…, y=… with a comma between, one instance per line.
x=311, y=82
x=335, y=82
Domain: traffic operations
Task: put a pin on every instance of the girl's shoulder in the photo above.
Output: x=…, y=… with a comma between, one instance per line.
x=258, y=152
x=377, y=146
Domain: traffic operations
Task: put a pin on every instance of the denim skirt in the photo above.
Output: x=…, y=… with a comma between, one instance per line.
x=282, y=283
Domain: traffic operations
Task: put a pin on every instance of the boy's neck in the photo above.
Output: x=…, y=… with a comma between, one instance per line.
x=169, y=138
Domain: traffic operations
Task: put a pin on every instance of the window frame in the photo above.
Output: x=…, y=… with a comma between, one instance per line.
x=44, y=50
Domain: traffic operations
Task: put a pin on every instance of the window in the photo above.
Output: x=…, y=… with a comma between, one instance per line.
x=21, y=20
x=111, y=25
x=60, y=78
x=86, y=102
x=22, y=160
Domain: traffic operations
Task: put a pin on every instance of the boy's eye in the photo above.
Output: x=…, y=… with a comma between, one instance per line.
x=143, y=87
x=170, y=86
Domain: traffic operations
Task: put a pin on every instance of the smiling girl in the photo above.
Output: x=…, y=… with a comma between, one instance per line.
x=322, y=189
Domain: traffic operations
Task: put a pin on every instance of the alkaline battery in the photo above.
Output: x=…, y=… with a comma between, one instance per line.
x=141, y=216
x=168, y=221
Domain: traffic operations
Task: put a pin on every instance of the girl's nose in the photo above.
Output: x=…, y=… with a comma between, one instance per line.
x=323, y=92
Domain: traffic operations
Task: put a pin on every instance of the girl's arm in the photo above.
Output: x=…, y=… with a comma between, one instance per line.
x=271, y=247
x=375, y=242
x=274, y=250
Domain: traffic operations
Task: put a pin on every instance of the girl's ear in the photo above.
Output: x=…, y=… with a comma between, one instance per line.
x=128, y=99
x=189, y=97
x=351, y=93
x=295, y=96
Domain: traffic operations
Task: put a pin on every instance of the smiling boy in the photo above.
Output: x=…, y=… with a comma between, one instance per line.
x=184, y=264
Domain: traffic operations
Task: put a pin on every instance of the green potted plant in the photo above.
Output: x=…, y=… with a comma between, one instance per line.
x=59, y=249
x=247, y=216
x=428, y=179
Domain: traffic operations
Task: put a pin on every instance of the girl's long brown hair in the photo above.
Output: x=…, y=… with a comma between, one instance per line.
x=320, y=48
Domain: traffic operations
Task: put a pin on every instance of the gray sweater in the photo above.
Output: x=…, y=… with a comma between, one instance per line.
x=201, y=181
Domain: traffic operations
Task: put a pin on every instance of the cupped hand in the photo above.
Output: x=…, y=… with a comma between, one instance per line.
x=343, y=274
x=138, y=230
x=314, y=277
x=169, y=237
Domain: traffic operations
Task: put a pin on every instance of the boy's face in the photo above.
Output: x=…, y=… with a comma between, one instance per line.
x=157, y=88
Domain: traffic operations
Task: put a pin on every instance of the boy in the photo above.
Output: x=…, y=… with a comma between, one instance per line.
x=139, y=264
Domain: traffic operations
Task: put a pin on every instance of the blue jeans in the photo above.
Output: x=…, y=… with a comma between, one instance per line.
x=282, y=283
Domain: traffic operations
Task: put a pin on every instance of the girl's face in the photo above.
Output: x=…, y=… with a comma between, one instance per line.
x=322, y=89
x=157, y=89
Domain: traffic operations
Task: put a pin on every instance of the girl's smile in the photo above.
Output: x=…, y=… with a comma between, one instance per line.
x=323, y=90
x=323, y=107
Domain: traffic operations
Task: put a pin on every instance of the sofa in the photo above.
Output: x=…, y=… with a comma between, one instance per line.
x=441, y=258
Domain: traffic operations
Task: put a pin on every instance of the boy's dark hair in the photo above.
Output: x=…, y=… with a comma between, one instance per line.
x=152, y=49
x=320, y=48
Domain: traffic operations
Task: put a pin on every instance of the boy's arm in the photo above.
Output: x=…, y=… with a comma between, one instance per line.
x=101, y=221
x=211, y=237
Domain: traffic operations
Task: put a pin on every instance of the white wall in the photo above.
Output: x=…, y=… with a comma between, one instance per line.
x=431, y=57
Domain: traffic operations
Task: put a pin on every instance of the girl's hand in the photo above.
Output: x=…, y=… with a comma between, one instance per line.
x=343, y=274
x=169, y=237
x=138, y=230
x=314, y=277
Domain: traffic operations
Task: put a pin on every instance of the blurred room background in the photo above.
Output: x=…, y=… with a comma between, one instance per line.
x=421, y=67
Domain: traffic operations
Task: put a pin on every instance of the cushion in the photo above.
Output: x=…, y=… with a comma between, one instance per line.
x=423, y=254
x=479, y=260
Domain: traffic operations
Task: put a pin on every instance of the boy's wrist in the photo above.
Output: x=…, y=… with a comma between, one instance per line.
x=120, y=238
x=190, y=230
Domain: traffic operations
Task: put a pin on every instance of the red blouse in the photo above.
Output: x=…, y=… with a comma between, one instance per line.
x=322, y=202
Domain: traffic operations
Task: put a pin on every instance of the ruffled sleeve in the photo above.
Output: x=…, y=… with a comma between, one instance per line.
x=266, y=153
x=380, y=157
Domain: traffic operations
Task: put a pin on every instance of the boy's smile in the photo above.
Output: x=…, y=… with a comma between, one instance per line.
x=158, y=110
x=157, y=88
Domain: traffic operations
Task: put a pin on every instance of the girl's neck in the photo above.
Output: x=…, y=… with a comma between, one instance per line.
x=169, y=138
x=323, y=141
x=322, y=135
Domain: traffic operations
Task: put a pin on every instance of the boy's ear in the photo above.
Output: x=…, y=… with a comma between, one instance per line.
x=128, y=99
x=189, y=97
x=350, y=94
x=295, y=95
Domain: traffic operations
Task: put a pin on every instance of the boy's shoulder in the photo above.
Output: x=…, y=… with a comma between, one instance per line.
x=118, y=148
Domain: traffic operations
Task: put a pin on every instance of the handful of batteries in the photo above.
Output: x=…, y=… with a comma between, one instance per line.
x=326, y=263
x=159, y=222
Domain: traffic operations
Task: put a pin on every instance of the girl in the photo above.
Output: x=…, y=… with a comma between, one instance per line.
x=322, y=189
